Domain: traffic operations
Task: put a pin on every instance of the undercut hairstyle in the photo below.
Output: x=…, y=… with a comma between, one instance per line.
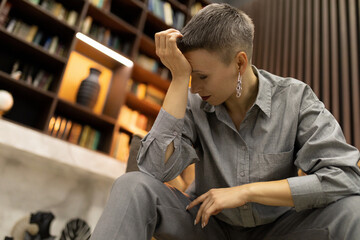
x=219, y=28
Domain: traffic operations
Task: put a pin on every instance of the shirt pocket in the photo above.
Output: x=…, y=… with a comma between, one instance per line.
x=275, y=166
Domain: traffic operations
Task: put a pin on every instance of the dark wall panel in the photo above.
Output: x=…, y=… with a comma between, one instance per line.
x=316, y=42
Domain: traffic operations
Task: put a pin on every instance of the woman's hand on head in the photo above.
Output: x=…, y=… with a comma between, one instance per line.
x=170, y=55
x=217, y=199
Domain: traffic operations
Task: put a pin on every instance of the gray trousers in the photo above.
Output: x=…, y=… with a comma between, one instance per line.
x=140, y=207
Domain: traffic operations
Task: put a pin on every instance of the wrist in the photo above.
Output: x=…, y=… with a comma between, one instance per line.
x=246, y=193
x=181, y=77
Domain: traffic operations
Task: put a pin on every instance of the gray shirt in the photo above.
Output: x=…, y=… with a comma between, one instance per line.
x=287, y=128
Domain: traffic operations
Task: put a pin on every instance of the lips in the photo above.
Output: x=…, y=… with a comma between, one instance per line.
x=204, y=98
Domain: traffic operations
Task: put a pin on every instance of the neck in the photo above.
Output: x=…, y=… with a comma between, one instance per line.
x=250, y=86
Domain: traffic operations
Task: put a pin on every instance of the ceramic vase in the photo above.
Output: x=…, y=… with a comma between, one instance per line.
x=89, y=89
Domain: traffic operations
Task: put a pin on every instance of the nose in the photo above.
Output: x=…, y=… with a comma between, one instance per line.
x=194, y=86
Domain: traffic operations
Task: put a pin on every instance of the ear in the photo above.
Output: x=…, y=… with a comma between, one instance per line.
x=241, y=62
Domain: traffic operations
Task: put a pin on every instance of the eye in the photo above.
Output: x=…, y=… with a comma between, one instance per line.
x=202, y=77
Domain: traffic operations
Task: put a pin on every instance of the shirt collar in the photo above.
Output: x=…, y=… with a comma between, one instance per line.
x=263, y=99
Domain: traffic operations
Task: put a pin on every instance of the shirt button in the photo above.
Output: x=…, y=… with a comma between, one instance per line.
x=242, y=173
x=175, y=133
x=245, y=206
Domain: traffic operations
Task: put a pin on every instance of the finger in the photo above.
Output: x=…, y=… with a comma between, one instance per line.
x=204, y=211
x=171, y=30
x=157, y=41
x=211, y=210
x=162, y=41
x=196, y=201
x=171, y=41
x=201, y=209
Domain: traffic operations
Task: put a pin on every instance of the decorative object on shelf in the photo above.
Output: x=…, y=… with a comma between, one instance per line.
x=43, y=220
x=33, y=227
x=22, y=226
x=89, y=89
x=76, y=229
x=6, y=102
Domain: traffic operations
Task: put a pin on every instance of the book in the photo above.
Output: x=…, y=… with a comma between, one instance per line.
x=86, y=25
x=123, y=148
x=96, y=141
x=84, y=135
x=11, y=25
x=75, y=133
x=31, y=34
x=47, y=43
x=195, y=8
x=53, y=45
x=90, y=139
x=65, y=136
x=107, y=5
x=56, y=11
x=168, y=14
x=141, y=90
x=56, y=126
x=35, y=1
x=72, y=18
x=38, y=37
x=51, y=124
x=141, y=122
x=47, y=82
x=61, y=128
x=16, y=72
x=179, y=20
x=39, y=76
x=4, y=13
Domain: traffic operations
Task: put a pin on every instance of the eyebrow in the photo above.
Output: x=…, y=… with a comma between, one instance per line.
x=198, y=71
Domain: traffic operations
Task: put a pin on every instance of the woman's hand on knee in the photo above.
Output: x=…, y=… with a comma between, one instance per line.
x=215, y=200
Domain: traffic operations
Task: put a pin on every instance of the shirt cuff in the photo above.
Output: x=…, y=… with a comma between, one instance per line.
x=166, y=127
x=306, y=192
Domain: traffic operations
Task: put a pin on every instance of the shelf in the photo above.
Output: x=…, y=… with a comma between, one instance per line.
x=33, y=145
x=31, y=106
x=129, y=20
x=84, y=114
x=155, y=21
x=36, y=52
x=142, y=106
x=110, y=20
x=96, y=55
x=133, y=130
x=178, y=5
x=38, y=14
x=142, y=75
x=147, y=45
x=130, y=11
x=13, y=83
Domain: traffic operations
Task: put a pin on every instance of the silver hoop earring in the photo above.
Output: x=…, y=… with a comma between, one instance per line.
x=239, y=86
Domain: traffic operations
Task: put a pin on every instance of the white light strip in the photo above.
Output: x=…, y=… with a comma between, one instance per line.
x=107, y=51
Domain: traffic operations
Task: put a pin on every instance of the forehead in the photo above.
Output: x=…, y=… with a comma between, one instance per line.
x=201, y=59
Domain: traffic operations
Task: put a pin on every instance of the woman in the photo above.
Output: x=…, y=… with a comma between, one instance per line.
x=248, y=132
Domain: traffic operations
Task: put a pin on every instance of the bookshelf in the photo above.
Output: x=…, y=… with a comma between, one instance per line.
x=125, y=26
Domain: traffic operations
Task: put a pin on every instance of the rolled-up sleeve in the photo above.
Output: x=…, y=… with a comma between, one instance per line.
x=329, y=162
x=167, y=129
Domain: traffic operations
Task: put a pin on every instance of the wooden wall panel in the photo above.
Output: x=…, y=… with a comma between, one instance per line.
x=316, y=42
x=354, y=69
x=325, y=53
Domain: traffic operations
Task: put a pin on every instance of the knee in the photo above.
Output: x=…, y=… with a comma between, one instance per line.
x=349, y=208
x=131, y=181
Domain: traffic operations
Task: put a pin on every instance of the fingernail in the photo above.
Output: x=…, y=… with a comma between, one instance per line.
x=194, y=222
x=187, y=207
x=203, y=225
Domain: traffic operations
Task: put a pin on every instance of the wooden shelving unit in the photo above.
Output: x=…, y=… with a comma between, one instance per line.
x=131, y=20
